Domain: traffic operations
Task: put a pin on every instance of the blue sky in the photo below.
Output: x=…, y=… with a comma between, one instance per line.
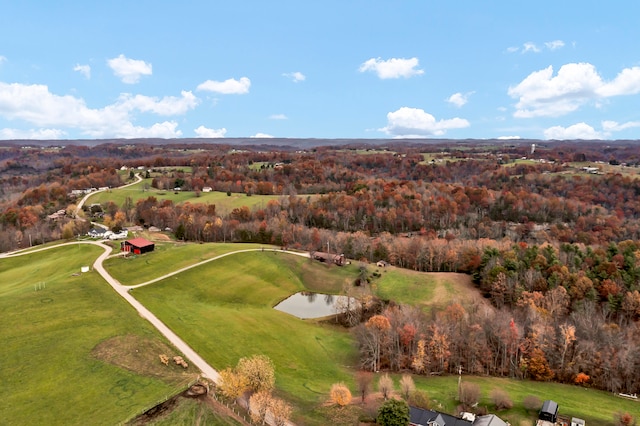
x=320, y=69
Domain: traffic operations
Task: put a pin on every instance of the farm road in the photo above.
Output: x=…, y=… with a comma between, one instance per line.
x=206, y=369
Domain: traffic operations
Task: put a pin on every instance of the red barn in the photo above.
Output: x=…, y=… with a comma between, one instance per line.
x=137, y=246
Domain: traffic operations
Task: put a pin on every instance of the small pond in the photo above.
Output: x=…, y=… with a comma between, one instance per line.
x=306, y=305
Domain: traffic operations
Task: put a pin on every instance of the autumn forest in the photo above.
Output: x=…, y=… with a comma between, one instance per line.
x=549, y=233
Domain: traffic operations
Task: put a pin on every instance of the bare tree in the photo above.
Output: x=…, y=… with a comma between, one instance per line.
x=364, y=380
x=385, y=385
x=469, y=393
x=259, y=406
x=407, y=385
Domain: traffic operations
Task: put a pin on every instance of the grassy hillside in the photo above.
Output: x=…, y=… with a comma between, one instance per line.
x=72, y=351
x=224, y=310
x=166, y=258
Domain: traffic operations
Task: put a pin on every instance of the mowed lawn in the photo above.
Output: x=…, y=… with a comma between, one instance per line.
x=142, y=190
x=594, y=406
x=224, y=310
x=52, y=319
x=166, y=258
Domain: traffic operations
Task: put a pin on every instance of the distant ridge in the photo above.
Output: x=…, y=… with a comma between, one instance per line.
x=296, y=143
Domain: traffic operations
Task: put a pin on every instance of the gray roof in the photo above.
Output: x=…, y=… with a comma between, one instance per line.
x=489, y=420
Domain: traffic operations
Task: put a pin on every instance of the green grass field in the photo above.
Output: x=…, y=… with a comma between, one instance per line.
x=225, y=318
x=192, y=412
x=596, y=407
x=142, y=190
x=52, y=325
x=166, y=258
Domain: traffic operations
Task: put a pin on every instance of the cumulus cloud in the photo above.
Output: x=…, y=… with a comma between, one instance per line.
x=576, y=131
x=296, y=77
x=543, y=94
x=459, y=99
x=278, y=117
x=415, y=122
x=6, y=134
x=169, y=105
x=36, y=105
x=203, y=132
x=392, y=68
x=227, y=87
x=129, y=70
x=85, y=70
x=262, y=136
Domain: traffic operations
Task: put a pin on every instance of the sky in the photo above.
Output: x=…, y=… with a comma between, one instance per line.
x=370, y=69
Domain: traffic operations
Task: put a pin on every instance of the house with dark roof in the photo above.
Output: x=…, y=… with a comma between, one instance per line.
x=421, y=417
x=96, y=232
x=137, y=246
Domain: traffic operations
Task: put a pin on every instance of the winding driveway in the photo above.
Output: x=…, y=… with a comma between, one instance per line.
x=206, y=369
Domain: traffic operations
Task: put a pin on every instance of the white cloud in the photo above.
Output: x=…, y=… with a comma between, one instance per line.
x=204, y=132
x=627, y=82
x=554, y=45
x=392, y=68
x=129, y=70
x=507, y=138
x=169, y=105
x=459, y=99
x=576, y=131
x=32, y=134
x=543, y=94
x=533, y=47
x=415, y=122
x=227, y=87
x=278, y=117
x=295, y=76
x=85, y=70
x=35, y=104
x=262, y=136
x=166, y=130
x=614, y=126
x=3, y=59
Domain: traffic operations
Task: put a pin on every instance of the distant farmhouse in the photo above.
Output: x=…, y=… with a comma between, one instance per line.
x=336, y=259
x=137, y=246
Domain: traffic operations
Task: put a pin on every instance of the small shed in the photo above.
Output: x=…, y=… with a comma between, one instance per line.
x=549, y=411
x=137, y=246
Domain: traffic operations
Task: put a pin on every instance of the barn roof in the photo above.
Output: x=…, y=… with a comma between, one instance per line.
x=139, y=242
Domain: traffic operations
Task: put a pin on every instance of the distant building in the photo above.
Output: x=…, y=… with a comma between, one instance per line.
x=137, y=246
x=336, y=259
x=207, y=189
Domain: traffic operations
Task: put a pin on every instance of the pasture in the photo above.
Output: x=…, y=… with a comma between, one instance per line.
x=142, y=190
x=72, y=351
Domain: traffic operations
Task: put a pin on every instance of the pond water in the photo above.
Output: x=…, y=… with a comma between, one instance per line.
x=306, y=305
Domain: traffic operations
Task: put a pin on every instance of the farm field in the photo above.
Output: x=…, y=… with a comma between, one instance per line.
x=73, y=352
x=142, y=190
